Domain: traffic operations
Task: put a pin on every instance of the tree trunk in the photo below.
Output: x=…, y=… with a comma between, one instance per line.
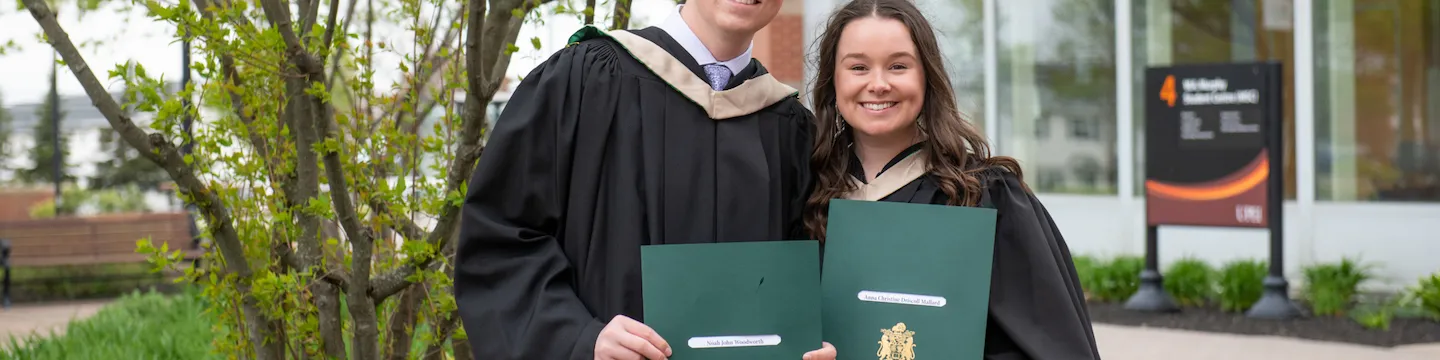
x=589, y=12
x=261, y=337
x=331, y=332
x=365, y=343
x=621, y=14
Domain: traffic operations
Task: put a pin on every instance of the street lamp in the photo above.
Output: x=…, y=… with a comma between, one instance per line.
x=55, y=162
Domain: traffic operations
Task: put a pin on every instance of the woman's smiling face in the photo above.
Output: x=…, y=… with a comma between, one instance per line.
x=879, y=79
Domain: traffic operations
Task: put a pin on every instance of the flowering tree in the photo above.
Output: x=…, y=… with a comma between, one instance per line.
x=329, y=205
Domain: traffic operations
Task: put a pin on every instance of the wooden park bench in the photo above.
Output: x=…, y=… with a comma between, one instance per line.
x=98, y=240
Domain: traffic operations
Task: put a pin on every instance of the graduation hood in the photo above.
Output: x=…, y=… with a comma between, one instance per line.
x=753, y=95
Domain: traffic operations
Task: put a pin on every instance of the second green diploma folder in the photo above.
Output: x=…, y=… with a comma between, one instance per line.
x=735, y=300
x=906, y=281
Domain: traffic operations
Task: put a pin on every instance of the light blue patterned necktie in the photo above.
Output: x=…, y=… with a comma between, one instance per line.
x=719, y=75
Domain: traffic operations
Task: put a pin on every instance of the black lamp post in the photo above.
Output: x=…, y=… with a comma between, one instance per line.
x=185, y=82
x=55, y=161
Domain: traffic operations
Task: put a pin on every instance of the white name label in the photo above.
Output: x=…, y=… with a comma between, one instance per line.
x=702, y=342
x=903, y=299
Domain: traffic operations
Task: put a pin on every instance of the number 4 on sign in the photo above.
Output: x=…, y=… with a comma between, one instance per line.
x=1167, y=91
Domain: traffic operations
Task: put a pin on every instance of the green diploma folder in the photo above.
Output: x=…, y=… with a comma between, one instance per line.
x=736, y=300
x=906, y=281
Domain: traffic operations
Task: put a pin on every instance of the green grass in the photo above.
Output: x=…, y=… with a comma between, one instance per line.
x=139, y=326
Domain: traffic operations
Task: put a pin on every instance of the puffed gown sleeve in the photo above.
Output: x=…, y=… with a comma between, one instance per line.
x=1035, y=294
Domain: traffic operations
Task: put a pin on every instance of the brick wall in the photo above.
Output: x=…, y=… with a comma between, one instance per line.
x=781, y=46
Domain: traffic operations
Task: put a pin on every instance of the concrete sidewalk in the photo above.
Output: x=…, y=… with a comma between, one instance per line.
x=1148, y=343
x=21, y=320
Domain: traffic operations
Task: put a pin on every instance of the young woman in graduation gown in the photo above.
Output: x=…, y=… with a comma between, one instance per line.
x=888, y=129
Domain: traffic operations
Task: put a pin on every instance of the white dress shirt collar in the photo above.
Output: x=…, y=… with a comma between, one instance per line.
x=676, y=27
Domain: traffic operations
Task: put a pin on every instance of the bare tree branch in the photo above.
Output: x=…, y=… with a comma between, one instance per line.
x=279, y=15
x=497, y=72
x=479, y=52
x=423, y=78
x=237, y=104
x=330, y=27
x=333, y=276
x=344, y=29
x=404, y=225
x=309, y=13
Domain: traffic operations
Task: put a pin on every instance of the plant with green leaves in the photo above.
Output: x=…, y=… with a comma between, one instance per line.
x=1330, y=288
x=1426, y=294
x=138, y=325
x=1377, y=318
x=1118, y=278
x=329, y=212
x=1241, y=283
x=1085, y=270
x=1190, y=281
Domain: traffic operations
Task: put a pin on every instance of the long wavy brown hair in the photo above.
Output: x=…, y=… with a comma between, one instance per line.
x=957, y=153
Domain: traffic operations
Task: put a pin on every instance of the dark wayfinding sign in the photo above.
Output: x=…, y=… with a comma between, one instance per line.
x=1208, y=155
x=1212, y=158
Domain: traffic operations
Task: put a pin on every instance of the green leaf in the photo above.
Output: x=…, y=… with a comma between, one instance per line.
x=318, y=206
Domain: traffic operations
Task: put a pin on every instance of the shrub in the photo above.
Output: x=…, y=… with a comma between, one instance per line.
x=1085, y=270
x=1330, y=288
x=1427, y=295
x=1190, y=281
x=1377, y=318
x=1241, y=284
x=1118, y=279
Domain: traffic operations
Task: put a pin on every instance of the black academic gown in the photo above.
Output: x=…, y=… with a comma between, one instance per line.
x=1037, y=308
x=607, y=146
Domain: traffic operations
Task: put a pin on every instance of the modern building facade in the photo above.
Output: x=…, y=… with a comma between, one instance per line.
x=1060, y=85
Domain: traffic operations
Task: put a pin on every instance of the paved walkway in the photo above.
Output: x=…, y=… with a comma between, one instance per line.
x=1137, y=343
x=21, y=320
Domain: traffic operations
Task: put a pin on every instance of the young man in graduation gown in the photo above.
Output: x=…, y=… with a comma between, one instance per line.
x=663, y=135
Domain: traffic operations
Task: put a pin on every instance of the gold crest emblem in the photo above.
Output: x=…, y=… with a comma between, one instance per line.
x=897, y=343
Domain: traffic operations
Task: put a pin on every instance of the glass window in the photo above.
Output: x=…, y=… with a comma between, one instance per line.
x=1173, y=32
x=1377, y=100
x=960, y=30
x=1056, y=96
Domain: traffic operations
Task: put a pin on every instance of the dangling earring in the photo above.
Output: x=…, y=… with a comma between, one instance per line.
x=839, y=126
x=920, y=123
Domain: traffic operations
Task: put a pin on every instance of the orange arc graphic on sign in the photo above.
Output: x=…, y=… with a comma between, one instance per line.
x=1257, y=175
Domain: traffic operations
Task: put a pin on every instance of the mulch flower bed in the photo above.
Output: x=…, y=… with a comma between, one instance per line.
x=1402, y=331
